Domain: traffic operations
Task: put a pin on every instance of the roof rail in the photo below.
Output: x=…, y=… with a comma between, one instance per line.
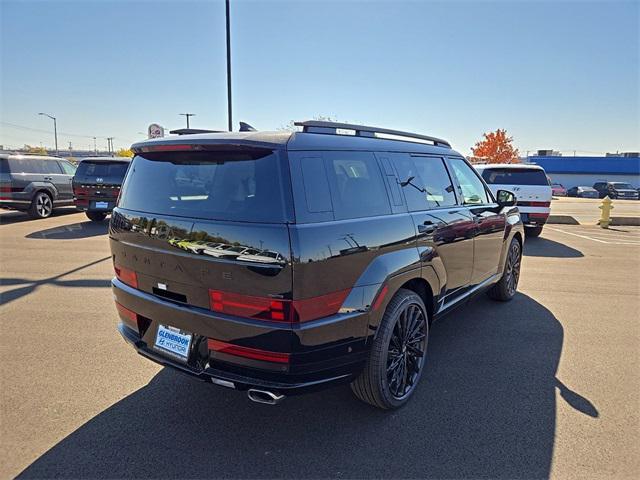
x=192, y=131
x=330, y=128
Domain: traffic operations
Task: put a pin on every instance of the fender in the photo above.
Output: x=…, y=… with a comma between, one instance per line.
x=49, y=187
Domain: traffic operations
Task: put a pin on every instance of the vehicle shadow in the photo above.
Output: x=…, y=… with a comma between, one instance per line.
x=485, y=407
x=11, y=217
x=543, y=247
x=27, y=287
x=73, y=231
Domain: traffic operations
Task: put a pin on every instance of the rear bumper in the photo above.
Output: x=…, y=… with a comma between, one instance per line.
x=321, y=353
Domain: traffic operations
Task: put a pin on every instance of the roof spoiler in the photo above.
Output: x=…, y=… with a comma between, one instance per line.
x=192, y=131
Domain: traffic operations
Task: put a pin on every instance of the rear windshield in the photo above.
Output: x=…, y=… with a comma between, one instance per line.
x=105, y=170
x=513, y=176
x=234, y=186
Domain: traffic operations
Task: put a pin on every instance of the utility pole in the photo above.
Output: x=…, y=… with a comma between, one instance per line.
x=95, y=146
x=188, y=115
x=55, y=128
x=110, y=144
x=229, y=112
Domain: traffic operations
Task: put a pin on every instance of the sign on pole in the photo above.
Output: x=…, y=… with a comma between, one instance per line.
x=155, y=131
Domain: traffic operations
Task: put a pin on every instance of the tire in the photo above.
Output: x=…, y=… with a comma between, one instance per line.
x=41, y=206
x=96, y=216
x=532, y=232
x=380, y=384
x=507, y=287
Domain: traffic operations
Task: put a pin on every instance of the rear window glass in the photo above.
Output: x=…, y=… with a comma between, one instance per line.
x=4, y=166
x=110, y=170
x=513, y=176
x=210, y=185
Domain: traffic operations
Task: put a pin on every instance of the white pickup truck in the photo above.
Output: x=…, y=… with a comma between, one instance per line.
x=531, y=187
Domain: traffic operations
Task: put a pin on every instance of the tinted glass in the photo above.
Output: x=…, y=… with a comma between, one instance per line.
x=113, y=171
x=513, y=176
x=68, y=168
x=357, y=187
x=437, y=186
x=4, y=166
x=209, y=185
x=622, y=185
x=33, y=165
x=316, y=186
x=472, y=188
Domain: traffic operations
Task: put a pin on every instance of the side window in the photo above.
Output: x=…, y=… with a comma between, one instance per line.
x=357, y=187
x=437, y=185
x=51, y=166
x=472, y=188
x=68, y=168
x=425, y=182
x=316, y=187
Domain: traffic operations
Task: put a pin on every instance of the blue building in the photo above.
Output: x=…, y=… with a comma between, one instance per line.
x=576, y=171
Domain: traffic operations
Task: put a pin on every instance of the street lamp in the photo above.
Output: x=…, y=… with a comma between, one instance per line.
x=188, y=115
x=55, y=128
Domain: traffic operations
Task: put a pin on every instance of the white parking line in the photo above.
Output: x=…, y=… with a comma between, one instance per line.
x=586, y=237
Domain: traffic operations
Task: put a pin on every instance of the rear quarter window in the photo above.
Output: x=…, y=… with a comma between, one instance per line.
x=513, y=176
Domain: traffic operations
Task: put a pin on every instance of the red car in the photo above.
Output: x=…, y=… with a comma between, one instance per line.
x=558, y=190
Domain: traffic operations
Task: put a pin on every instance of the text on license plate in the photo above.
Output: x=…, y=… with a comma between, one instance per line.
x=174, y=341
x=102, y=204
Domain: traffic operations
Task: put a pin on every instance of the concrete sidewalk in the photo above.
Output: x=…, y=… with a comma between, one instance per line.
x=585, y=211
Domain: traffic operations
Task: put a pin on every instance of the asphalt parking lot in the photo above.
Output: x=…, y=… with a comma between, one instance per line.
x=546, y=386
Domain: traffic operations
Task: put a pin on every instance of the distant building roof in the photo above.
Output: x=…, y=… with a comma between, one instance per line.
x=599, y=165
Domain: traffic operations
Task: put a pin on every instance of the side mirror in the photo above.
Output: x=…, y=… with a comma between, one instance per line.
x=506, y=198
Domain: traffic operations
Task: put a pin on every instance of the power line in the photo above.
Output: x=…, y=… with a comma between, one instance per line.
x=40, y=130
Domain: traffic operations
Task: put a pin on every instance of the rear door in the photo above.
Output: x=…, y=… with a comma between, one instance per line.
x=178, y=209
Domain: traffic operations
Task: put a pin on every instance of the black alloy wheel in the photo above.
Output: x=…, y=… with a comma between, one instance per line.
x=398, y=353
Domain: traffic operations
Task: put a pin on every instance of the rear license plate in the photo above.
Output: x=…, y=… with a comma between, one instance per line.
x=102, y=205
x=174, y=341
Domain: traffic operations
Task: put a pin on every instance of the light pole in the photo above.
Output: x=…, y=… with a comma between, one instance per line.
x=55, y=128
x=229, y=113
x=95, y=147
x=188, y=115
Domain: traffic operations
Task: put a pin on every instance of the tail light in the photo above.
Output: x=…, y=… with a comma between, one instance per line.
x=247, y=352
x=129, y=316
x=276, y=310
x=533, y=204
x=126, y=276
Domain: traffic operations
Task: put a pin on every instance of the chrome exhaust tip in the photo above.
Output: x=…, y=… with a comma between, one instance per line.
x=264, y=396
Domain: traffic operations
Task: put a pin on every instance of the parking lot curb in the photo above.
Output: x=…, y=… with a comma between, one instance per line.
x=625, y=221
x=562, y=220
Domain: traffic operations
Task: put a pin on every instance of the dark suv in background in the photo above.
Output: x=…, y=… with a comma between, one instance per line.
x=616, y=190
x=96, y=185
x=345, y=249
x=35, y=184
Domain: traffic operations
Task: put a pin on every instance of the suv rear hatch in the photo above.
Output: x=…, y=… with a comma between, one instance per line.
x=98, y=181
x=200, y=228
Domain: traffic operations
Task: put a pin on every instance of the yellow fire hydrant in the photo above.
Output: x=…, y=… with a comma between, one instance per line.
x=605, y=216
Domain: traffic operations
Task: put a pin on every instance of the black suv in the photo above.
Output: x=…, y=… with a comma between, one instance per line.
x=96, y=185
x=279, y=263
x=616, y=190
x=35, y=184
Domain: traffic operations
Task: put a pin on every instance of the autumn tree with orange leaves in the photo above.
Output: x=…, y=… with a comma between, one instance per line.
x=495, y=148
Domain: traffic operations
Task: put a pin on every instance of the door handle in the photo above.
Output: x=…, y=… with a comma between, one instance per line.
x=47, y=178
x=427, y=227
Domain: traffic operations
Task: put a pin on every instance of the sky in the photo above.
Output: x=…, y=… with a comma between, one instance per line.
x=561, y=75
